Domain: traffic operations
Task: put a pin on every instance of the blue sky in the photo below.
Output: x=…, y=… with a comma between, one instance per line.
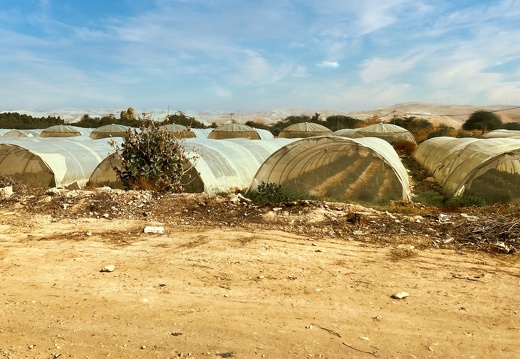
x=251, y=55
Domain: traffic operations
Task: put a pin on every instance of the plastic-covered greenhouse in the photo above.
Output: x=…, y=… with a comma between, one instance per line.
x=488, y=168
x=220, y=165
x=304, y=130
x=338, y=168
x=21, y=133
x=179, y=131
x=386, y=131
x=114, y=130
x=60, y=131
x=234, y=130
x=57, y=162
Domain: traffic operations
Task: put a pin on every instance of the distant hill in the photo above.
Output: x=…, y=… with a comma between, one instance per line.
x=452, y=115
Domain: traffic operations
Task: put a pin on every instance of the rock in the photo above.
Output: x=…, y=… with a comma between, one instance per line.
x=6, y=192
x=400, y=295
x=53, y=192
x=109, y=268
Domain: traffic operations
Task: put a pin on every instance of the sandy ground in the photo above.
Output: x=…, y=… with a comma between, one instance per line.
x=222, y=291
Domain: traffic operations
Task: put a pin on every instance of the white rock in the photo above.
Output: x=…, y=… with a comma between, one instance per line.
x=400, y=295
x=6, y=192
x=109, y=268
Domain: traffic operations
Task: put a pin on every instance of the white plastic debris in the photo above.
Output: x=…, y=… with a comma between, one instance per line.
x=444, y=218
x=468, y=217
x=154, y=229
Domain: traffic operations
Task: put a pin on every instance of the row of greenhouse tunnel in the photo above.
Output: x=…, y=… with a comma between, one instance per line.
x=359, y=165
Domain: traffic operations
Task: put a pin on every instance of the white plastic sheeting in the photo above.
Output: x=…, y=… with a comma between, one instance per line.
x=234, y=130
x=264, y=134
x=113, y=130
x=21, y=133
x=60, y=131
x=220, y=166
x=346, y=132
x=489, y=168
x=386, y=131
x=51, y=162
x=304, y=130
x=502, y=134
x=201, y=132
x=338, y=168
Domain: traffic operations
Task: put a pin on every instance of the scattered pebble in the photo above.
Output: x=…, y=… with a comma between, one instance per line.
x=400, y=295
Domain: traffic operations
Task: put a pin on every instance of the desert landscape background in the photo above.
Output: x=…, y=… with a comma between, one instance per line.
x=451, y=115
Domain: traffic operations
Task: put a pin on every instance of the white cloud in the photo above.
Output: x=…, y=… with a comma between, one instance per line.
x=328, y=64
x=300, y=71
x=378, y=69
x=223, y=93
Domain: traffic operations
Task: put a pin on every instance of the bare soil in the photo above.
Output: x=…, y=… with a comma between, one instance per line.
x=228, y=279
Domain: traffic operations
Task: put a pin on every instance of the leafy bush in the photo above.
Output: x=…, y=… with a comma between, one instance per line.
x=466, y=200
x=429, y=198
x=270, y=193
x=153, y=159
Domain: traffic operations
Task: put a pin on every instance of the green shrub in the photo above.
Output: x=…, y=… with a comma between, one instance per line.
x=270, y=193
x=466, y=200
x=153, y=159
x=429, y=198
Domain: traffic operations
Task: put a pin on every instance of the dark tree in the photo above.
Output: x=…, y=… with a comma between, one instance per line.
x=512, y=126
x=483, y=121
x=338, y=122
x=180, y=118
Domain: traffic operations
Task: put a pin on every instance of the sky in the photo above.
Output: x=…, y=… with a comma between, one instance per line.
x=253, y=55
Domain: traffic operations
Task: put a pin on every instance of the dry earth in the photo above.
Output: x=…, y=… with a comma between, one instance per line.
x=227, y=279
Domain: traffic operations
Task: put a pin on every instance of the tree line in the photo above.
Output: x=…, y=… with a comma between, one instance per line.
x=17, y=121
x=422, y=129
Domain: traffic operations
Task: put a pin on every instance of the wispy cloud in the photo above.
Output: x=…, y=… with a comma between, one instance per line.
x=369, y=52
x=328, y=64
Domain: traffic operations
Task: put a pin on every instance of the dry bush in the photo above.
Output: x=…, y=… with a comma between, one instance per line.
x=404, y=148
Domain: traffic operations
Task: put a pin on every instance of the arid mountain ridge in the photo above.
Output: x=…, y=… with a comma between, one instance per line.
x=452, y=115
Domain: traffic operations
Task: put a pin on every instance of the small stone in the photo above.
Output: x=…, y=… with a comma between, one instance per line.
x=400, y=295
x=109, y=268
x=6, y=192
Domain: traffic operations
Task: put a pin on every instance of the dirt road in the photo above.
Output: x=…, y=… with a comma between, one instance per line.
x=223, y=291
